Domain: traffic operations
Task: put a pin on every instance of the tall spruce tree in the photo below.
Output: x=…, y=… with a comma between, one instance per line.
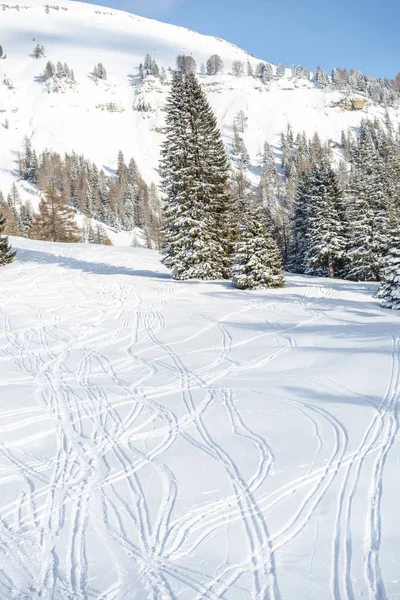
x=194, y=170
x=390, y=286
x=256, y=261
x=326, y=235
x=368, y=211
x=300, y=224
x=6, y=253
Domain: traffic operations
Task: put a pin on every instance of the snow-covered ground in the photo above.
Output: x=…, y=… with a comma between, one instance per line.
x=82, y=35
x=165, y=439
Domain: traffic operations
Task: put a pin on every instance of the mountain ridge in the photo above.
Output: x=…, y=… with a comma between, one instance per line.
x=99, y=118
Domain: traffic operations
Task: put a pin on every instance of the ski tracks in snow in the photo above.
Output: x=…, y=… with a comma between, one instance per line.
x=98, y=500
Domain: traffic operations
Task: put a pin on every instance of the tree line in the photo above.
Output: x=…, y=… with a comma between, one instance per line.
x=327, y=219
x=122, y=201
x=313, y=215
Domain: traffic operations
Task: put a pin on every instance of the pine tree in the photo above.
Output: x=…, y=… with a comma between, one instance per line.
x=38, y=51
x=13, y=198
x=268, y=188
x=99, y=72
x=267, y=73
x=320, y=77
x=326, y=235
x=26, y=218
x=256, y=261
x=390, y=286
x=195, y=173
x=300, y=223
x=49, y=71
x=6, y=253
x=55, y=220
x=368, y=211
x=94, y=233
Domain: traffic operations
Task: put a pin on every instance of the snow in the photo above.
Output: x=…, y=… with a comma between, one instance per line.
x=165, y=439
x=83, y=35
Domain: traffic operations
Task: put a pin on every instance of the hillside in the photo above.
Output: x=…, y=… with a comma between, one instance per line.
x=83, y=35
x=164, y=439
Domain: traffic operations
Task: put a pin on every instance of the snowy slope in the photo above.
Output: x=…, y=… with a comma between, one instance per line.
x=164, y=439
x=82, y=35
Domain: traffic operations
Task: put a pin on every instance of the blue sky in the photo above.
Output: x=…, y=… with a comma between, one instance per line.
x=359, y=34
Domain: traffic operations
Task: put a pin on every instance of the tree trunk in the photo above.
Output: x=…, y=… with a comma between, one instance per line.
x=331, y=270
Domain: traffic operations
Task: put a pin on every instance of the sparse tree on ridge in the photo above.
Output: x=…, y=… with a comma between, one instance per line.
x=38, y=51
x=186, y=64
x=215, y=65
x=238, y=68
x=99, y=72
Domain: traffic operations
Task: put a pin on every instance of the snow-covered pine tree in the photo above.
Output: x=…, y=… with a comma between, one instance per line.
x=26, y=218
x=195, y=173
x=368, y=211
x=326, y=235
x=300, y=223
x=280, y=70
x=99, y=72
x=13, y=197
x=94, y=233
x=121, y=166
x=320, y=77
x=49, y=71
x=267, y=73
x=268, y=187
x=6, y=253
x=390, y=287
x=256, y=260
x=38, y=51
x=211, y=175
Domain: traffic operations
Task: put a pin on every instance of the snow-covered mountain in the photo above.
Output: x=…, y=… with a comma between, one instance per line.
x=83, y=35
